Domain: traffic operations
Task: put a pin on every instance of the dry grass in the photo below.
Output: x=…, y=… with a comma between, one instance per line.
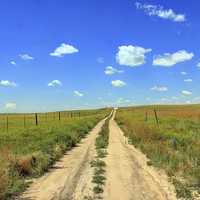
x=174, y=144
x=4, y=175
x=29, y=152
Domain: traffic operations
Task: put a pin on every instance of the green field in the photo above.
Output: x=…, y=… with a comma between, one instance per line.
x=28, y=150
x=170, y=137
x=24, y=120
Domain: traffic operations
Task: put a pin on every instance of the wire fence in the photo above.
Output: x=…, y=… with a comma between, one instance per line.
x=159, y=114
x=11, y=121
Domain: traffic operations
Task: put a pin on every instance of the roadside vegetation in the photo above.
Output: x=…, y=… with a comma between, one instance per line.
x=29, y=152
x=99, y=164
x=170, y=137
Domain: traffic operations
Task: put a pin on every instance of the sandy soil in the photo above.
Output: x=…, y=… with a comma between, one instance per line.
x=70, y=178
x=128, y=176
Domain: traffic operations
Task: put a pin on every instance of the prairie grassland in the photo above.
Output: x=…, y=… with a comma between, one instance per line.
x=29, y=152
x=24, y=120
x=172, y=144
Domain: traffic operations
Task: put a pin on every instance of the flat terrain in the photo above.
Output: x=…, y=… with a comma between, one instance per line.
x=128, y=176
x=169, y=135
x=71, y=177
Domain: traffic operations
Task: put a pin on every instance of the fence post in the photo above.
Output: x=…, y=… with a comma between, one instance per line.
x=146, y=116
x=79, y=114
x=71, y=114
x=36, y=119
x=59, y=116
x=156, y=117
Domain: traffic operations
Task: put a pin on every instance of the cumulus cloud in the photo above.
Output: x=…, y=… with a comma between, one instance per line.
x=118, y=83
x=111, y=70
x=6, y=83
x=77, y=93
x=188, y=80
x=55, y=83
x=26, y=57
x=131, y=55
x=198, y=64
x=168, y=60
x=64, y=49
x=11, y=105
x=184, y=73
x=13, y=63
x=159, y=11
x=160, y=88
x=186, y=92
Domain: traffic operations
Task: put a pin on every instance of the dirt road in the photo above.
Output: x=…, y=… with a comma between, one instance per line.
x=128, y=176
x=71, y=177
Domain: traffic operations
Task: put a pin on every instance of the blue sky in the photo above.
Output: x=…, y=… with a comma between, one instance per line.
x=58, y=54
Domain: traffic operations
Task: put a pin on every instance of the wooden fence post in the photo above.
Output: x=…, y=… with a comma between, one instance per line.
x=59, y=116
x=146, y=116
x=36, y=119
x=71, y=114
x=156, y=117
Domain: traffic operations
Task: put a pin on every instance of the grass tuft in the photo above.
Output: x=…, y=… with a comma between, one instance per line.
x=30, y=152
x=173, y=144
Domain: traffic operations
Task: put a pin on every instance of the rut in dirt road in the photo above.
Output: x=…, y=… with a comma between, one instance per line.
x=128, y=176
x=71, y=177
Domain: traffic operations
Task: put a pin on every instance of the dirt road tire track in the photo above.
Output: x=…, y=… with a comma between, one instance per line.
x=128, y=176
x=127, y=173
x=71, y=177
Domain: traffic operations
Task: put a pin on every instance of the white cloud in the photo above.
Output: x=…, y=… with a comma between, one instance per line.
x=164, y=99
x=111, y=70
x=188, y=80
x=26, y=57
x=186, y=92
x=64, y=49
x=184, y=73
x=123, y=101
x=159, y=11
x=79, y=94
x=168, y=60
x=118, y=83
x=7, y=83
x=175, y=98
x=147, y=98
x=198, y=64
x=131, y=55
x=196, y=98
x=11, y=105
x=13, y=63
x=55, y=83
x=160, y=88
